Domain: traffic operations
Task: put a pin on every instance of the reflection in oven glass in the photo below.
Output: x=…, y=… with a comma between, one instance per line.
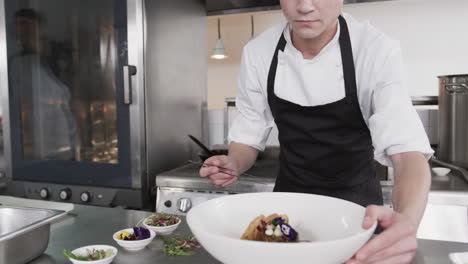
x=66, y=80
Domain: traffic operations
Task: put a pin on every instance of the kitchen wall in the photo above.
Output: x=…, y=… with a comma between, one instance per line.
x=432, y=34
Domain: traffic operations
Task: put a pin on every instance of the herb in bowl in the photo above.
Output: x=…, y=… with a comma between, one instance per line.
x=162, y=220
x=180, y=246
x=93, y=254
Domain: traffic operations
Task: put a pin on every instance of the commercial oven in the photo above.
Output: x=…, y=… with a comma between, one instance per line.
x=93, y=97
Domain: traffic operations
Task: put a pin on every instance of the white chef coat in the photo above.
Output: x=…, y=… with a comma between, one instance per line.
x=394, y=125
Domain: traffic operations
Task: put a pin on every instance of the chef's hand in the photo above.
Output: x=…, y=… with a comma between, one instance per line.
x=396, y=244
x=219, y=177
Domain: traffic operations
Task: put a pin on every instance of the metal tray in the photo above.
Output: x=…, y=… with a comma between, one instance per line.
x=24, y=232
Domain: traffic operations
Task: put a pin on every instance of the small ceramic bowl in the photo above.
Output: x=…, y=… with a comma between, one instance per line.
x=133, y=245
x=162, y=230
x=82, y=252
x=441, y=171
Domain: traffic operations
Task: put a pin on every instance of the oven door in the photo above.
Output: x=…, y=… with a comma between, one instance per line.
x=74, y=91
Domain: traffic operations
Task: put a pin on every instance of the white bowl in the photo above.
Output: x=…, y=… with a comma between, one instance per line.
x=440, y=171
x=333, y=226
x=162, y=230
x=82, y=251
x=133, y=245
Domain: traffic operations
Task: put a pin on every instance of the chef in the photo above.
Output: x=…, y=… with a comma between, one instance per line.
x=335, y=89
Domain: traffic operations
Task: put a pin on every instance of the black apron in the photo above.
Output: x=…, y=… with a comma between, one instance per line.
x=326, y=149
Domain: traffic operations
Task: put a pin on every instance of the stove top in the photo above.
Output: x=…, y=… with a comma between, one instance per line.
x=187, y=177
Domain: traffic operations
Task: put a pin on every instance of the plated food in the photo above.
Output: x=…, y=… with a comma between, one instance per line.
x=97, y=254
x=162, y=220
x=273, y=228
x=162, y=224
x=134, y=239
x=139, y=233
x=91, y=254
x=333, y=227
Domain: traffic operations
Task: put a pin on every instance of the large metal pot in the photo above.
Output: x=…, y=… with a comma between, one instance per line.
x=453, y=119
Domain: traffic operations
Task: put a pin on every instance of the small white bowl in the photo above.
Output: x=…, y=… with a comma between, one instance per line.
x=133, y=245
x=82, y=251
x=162, y=230
x=441, y=171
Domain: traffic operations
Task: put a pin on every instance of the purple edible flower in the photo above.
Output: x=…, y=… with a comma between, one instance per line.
x=141, y=233
x=145, y=233
x=136, y=232
x=288, y=231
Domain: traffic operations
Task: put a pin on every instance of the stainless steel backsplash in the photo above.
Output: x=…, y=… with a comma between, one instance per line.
x=429, y=118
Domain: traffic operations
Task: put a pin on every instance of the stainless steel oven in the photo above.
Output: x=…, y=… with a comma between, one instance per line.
x=182, y=188
x=97, y=97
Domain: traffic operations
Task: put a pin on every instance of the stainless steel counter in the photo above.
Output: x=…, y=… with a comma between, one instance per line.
x=454, y=181
x=95, y=225
x=91, y=225
x=449, y=190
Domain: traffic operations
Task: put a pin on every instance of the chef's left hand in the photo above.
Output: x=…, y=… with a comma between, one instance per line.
x=396, y=244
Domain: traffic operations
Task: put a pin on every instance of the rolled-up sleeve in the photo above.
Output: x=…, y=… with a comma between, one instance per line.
x=254, y=122
x=394, y=124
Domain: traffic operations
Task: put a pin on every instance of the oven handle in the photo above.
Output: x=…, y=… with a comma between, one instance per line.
x=128, y=72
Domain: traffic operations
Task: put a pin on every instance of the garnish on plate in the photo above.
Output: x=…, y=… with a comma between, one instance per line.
x=180, y=245
x=274, y=228
x=94, y=254
x=162, y=220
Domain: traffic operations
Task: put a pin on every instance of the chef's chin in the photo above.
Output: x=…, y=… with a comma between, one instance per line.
x=306, y=33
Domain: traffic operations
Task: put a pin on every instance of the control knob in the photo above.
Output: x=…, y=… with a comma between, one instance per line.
x=65, y=194
x=184, y=204
x=44, y=193
x=85, y=197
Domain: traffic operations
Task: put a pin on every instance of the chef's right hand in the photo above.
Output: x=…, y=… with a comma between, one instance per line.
x=216, y=175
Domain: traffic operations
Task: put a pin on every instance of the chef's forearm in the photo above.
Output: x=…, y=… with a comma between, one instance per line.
x=243, y=155
x=412, y=184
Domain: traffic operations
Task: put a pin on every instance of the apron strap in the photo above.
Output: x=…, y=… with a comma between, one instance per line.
x=274, y=64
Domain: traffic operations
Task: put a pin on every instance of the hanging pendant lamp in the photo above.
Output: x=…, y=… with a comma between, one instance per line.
x=218, y=51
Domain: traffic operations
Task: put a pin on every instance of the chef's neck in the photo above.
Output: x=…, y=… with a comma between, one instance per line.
x=311, y=47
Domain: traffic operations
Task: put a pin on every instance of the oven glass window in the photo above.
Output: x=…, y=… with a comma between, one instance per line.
x=65, y=61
